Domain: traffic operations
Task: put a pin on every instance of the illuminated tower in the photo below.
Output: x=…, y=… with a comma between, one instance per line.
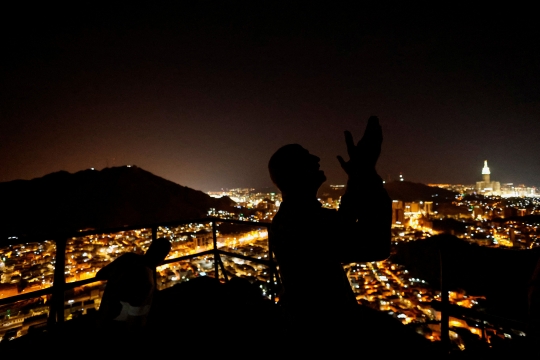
x=485, y=173
x=486, y=186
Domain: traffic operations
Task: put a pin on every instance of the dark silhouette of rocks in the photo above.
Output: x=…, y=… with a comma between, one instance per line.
x=186, y=311
x=180, y=314
x=410, y=191
x=91, y=199
x=502, y=275
x=450, y=226
x=527, y=219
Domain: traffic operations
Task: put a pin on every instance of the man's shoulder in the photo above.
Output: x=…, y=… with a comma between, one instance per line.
x=288, y=214
x=288, y=220
x=284, y=218
x=116, y=266
x=128, y=259
x=328, y=212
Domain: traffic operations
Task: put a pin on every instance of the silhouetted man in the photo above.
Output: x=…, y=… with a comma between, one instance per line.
x=131, y=283
x=311, y=243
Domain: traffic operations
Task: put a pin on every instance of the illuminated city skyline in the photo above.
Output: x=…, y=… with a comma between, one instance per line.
x=202, y=94
x=491, y=222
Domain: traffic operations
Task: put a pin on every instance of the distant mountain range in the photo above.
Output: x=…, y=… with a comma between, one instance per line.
x=410, y=191
x=112, y=197
x=401, y=190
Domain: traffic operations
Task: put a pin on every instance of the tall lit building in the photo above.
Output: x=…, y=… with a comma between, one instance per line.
x=398, y=214
x=428, y=207
x=486, y=186
x=486, y=173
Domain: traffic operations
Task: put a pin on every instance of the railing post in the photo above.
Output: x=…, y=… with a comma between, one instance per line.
x=216, y=253
x=272, y=288
x=154, y=233
x=483, y=328
x=445, y=301
x=56, y=309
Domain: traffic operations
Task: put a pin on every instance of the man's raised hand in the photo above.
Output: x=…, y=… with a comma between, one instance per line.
x=363, y=156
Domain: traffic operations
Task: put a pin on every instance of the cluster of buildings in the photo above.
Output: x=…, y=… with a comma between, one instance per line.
x=250, y=198
x=493, y=222
x=501, y=218
x=415, y=213
x=254, y=205
x=26, y=267
x=514, y=234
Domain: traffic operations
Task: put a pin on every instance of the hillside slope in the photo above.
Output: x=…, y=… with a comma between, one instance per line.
x=98, y=199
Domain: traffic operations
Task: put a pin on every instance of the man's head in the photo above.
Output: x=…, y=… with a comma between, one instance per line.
x=295, y=171
x=157, y=252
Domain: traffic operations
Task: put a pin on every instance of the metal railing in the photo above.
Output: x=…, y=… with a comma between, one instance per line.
x=59, y=285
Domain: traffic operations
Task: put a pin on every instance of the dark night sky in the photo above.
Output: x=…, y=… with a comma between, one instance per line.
x=203, y=94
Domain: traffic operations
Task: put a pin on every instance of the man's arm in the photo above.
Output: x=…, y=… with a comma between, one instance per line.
x=365, y=212
x=365, y=215
x=105, y=272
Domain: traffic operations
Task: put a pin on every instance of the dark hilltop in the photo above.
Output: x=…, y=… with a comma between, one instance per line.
x=92, y=199
x=502, y=275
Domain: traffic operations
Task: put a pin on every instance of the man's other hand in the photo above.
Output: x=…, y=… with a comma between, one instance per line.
x=363, y=156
